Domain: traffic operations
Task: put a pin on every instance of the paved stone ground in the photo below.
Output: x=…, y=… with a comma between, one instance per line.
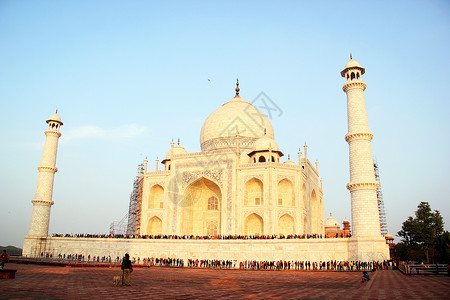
x=51, y=282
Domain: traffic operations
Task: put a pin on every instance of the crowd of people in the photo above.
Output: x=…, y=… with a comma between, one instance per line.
x=304, y=265
x=200, y=237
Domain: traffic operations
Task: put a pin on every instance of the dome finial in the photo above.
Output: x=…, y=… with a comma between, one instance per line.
x=56, y=111
x=237, y=87
x=351, y=56
x=178, y=141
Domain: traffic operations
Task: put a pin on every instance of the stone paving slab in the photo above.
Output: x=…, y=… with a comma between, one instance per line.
x=52, y=282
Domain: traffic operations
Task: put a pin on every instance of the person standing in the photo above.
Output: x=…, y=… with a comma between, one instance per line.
x=3, y=259
x=127, y=268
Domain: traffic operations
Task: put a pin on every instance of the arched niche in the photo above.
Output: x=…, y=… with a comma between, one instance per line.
x=254, y=225
x=286, y=225
x=253, y=192
x=156, y=197
x=154, y=226
x=286, y=195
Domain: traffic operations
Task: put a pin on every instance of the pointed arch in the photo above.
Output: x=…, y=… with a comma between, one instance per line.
x=286, y=225
x=286, y=196
x=305, y=202
x=211, y=229
x=156, y=197
x=261, y=159
x=304, y=225
x=195, y=215
x=253, y=192
x=254, y=225
x=154, y=226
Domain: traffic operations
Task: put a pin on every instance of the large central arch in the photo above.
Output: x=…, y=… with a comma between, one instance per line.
x=201, y=208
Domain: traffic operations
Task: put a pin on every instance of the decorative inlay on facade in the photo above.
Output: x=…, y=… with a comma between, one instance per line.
x=269, y=164
x=232, y=142
x=216, y=175
x=363, y=186
x=259, y=212
x=359, y=136
x=289, y=212
x=158, y=173
x=258, y=176
x=158, y=215
x=160, y=183
x=290, y=178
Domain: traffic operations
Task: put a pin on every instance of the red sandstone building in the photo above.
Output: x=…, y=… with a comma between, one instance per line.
x=333, y=228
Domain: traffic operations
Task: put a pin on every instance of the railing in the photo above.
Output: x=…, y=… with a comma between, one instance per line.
x=423, y=269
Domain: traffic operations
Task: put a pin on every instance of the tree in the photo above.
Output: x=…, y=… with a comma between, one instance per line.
x=424, y=230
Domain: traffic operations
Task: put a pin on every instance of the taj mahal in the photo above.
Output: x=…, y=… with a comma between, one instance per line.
x=237, y=185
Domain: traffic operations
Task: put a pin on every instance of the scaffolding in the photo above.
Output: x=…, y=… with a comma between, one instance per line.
x=381, y=210
x=134, y=209
x=119, y=227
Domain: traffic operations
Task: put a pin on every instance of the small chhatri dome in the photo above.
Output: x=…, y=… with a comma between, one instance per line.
x=388, y=236
x=265, y=143
x=55, y=118
x=332, y=223
x=352, y=64
x=177, y=150
x=345, y=221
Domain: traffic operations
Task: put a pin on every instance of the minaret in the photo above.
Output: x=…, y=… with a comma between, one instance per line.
x=42, y=200
x=362, y=185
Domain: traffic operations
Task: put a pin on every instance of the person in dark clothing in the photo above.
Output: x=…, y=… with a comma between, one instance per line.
x=127, y=268
x=3, y=259
x=365, y=277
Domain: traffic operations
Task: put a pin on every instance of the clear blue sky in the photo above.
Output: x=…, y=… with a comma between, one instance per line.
x=128, y=76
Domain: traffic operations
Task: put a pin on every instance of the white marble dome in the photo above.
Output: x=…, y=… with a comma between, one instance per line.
x=332, y=223
x=352, y=64
x=177, y=150
x=265, y=143
x=54, y=118
x=236, y=117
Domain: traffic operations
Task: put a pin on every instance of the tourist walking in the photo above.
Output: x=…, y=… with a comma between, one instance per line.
x=127, y=268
